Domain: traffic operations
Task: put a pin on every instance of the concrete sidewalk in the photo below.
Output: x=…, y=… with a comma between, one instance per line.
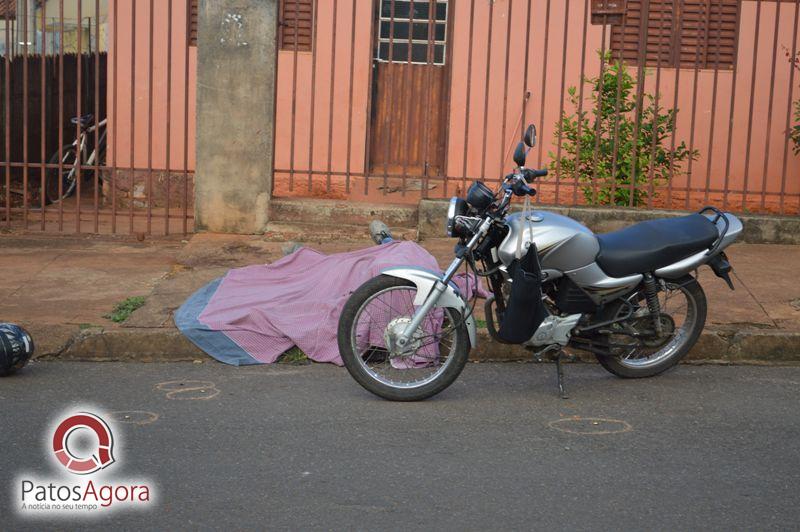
x=62, y=287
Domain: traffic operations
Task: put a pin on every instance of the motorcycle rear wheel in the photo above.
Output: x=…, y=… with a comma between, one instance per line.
x=373, y=315
x=673, y=349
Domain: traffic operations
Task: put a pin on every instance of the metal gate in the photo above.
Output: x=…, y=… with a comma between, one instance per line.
x=640, y=103
x=97, y=116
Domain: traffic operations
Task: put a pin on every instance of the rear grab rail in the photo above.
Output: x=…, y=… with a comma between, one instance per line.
x=719, y=215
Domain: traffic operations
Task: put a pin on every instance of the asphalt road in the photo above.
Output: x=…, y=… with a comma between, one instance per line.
x=306, y=448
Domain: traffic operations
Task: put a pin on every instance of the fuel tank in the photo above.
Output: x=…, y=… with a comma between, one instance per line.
x=563, y=244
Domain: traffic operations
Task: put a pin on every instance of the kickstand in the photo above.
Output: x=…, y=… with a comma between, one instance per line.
x=560, y=372
x=556, y=353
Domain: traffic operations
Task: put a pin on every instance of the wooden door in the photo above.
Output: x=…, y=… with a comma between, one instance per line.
x=410, y=88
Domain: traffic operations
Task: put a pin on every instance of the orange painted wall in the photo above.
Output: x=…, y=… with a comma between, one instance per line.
x=295, y=89
x=542, y=83
x=130, y=85
x=326, y=114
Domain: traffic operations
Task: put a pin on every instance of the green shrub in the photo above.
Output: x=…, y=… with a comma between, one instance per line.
x=616, y=162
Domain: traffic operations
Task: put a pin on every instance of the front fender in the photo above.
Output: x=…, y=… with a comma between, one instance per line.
x=424, y=280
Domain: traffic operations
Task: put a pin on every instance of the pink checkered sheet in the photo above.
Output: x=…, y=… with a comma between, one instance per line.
x=254, y=314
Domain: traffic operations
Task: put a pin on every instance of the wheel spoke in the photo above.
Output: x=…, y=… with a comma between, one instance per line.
x=385, y=315
x=678, y=313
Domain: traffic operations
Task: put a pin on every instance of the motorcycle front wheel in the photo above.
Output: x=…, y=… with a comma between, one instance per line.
x=376, y=313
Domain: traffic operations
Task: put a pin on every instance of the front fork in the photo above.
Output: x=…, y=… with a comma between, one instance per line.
x=441, y=285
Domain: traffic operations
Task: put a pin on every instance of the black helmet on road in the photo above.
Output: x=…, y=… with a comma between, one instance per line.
x=16, y=348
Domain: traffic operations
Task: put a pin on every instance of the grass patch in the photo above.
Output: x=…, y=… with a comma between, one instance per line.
x=294, y=356
x=481, y=324
x=125, y=308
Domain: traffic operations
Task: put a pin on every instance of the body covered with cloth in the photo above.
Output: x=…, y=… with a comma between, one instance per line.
x=254, y=314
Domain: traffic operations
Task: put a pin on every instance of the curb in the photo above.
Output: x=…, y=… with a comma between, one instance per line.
x=321, y=211
x=169, y=345
x=130, y=345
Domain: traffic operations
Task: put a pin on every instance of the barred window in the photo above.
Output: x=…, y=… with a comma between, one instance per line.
x=400, y=28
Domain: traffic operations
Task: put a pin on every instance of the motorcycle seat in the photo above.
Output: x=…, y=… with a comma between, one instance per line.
x=647, y=246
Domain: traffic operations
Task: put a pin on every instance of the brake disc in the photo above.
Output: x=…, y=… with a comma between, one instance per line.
x=394, y=329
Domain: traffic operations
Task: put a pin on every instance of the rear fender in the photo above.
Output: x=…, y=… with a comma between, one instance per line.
x=424, y=280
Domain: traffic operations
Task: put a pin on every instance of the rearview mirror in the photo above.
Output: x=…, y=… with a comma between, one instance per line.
x=520, y=154
x=530, y=136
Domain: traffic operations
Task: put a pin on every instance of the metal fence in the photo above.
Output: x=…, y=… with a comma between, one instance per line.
x=127, y=166
x=640, y=103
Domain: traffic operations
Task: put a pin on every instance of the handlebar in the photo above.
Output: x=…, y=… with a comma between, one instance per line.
x=530, y=174
x=521, y=189
x=518, y=182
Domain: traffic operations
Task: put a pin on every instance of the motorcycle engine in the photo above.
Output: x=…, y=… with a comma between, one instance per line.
x=554, y=330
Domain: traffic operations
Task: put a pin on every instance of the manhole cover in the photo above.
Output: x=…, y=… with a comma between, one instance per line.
x=590, y=425
x=134, y=417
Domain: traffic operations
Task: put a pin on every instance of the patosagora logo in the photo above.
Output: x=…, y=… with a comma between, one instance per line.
x=102, y=458
x=83, y=446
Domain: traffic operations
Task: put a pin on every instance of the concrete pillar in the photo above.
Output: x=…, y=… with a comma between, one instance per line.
x=236, y=71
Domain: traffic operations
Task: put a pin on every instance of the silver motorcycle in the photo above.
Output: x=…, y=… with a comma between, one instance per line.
x=628, y=297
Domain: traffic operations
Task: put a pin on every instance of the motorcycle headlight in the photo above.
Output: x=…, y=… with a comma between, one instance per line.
x=479, y=196
x=458, y=207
